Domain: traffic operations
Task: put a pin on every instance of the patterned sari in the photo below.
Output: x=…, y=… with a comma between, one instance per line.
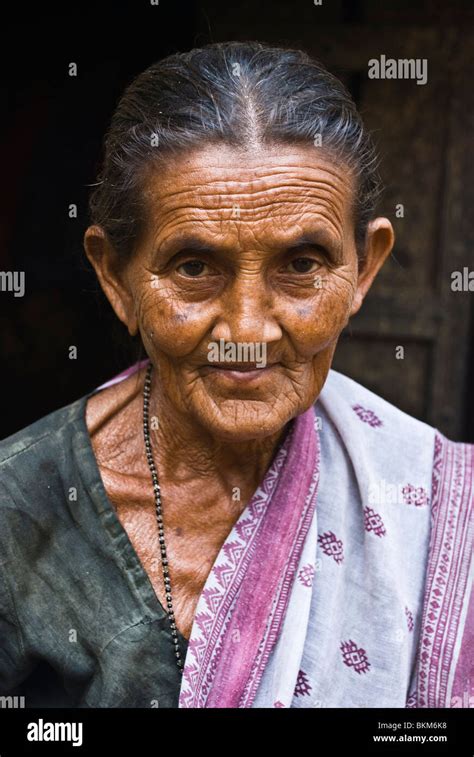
x=347, y=579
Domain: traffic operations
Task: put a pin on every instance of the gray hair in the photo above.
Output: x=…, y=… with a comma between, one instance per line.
x=243, y=94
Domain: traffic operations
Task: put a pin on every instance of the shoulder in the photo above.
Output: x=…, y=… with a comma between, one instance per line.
x=369, y=412
x=381, y=441
x=383, y=438
x=51, y=432
x=44, y=434
x=390, y=450
x=35, y=462
x=44, y=459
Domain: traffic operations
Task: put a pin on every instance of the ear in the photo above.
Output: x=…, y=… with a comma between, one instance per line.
x=111, y=275
x=379, y=241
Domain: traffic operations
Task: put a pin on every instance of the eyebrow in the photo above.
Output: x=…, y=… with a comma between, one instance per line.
x=194, y=243
x=318, y=238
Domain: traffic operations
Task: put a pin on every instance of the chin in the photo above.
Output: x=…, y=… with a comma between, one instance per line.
x=241, y=421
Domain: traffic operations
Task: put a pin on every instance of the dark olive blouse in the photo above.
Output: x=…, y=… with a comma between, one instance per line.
x=80, y=623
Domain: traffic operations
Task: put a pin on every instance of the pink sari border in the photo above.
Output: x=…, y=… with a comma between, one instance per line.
x=445, y=668
x=250, y=583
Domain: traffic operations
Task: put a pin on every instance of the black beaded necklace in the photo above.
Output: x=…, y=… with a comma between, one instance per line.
x=159, y=516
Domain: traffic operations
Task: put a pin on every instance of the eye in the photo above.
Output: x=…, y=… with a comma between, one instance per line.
x=192, y=268
x=303, y=265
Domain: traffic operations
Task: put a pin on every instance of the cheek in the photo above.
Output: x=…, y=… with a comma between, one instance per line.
x=169, y=327
x=317, y=323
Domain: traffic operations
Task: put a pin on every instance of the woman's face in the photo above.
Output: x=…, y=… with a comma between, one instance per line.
x=248, y=261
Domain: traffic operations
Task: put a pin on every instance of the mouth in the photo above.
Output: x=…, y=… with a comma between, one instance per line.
x=238, y=372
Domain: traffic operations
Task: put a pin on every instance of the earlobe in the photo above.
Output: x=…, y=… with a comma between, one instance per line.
x=103, y=259
x=356, y=302
x=379, y=242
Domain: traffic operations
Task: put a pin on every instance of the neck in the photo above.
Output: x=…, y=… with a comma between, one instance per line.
x=186, y=450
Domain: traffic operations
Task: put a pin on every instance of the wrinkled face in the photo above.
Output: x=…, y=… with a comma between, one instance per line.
x=244, y=251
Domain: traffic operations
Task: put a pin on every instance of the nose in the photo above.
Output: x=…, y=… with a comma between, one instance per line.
x=247, y=314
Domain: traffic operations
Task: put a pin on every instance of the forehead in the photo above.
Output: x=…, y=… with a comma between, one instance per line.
x=267, y=188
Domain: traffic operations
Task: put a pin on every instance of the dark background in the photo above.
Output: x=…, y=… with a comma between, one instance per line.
x=53, y=125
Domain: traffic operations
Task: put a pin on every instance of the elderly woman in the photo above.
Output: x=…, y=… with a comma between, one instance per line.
x=231, y=523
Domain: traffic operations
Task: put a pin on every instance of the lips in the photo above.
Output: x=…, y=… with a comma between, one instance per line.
x=244, y=367
x=238, y=372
